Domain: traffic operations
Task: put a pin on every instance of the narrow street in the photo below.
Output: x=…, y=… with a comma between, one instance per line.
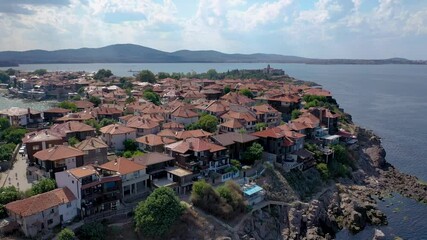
x=17, y=176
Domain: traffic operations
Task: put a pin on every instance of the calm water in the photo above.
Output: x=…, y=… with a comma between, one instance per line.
x=390, y=99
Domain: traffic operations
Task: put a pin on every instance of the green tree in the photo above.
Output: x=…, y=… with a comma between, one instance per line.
x=95, y=100
x=68, y=105
x=107, y=121
x=248, y=93
x=7, y=195
x=40, y=72
x=11, y=72
x=44, y=185
x=260, y=126
x=130, y=145
x=66, y=234
x=4, y=77
x=295, y=114
x=208, y=123
x=152, y=96
x=4, y=124
x=252, y=154
x=6, y=151
x=323, y=170
x=92, y=231
x=163, y=75
x=76, y=98
x=227, y=89
x=146, y=76
x=155, y=216
x=212, y=74
x=102, y=74
x=73, y=141
x=13, y=135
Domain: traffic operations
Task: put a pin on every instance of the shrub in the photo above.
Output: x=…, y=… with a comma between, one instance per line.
x=66, y=234
x=92, y=231
x=323, y=170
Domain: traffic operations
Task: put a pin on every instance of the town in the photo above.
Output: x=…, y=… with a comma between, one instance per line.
x=112, y=142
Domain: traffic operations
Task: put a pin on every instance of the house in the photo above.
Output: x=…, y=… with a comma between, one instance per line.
x=57, y=159
x=74, y=129
x=95, y=150
x=199, y=155
x=95, y=193
x=21, y=116
x=327, y=118
x=79, y=117
x=153, y=143
x=107, y=112
x=173, y=126
x=184, y=115
x=267, y=114
x=134, y=176
x=239, y=99
x=83, y=105
x=143, y=126
x=156, y=165
x=236, y=143
x=244, y=115
x=197, y=133
x=39, y=214
x=253, y=193
x=40, y=140
x=50, y=115
x=231, y=125
x=115, y=134
x=182, y=180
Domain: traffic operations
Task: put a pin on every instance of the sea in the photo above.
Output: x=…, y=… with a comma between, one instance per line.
x=391, y=100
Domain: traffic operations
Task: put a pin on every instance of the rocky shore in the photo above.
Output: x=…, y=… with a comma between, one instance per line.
x=349, y=203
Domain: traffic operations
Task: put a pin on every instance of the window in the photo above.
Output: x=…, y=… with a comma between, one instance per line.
x=68, y=204
x=52, y=210
x=98, y=150
x=36, y=147
x=50, y=221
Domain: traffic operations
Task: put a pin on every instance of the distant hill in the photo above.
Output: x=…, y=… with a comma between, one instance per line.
x=130, y=53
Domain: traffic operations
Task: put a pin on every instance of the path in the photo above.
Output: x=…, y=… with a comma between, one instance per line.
x=17, y=175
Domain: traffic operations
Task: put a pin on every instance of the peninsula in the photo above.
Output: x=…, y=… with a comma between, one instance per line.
x=249, y=154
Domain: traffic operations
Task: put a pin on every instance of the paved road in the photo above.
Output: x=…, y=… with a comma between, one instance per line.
x=17, y=176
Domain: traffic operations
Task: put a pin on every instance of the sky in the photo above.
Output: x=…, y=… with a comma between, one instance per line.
x=307, y=28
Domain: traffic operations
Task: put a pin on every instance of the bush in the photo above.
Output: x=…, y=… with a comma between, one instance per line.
x=130, y=145
x=155, y=215
x=66, y=234
x=44, y=185
x=146, y=76
x=13, y=135
x=68, y=105
x=248, y=93
x=323, y=170
x=295, y=114
x=6, y=151
x=92, y=231
x=252, y=154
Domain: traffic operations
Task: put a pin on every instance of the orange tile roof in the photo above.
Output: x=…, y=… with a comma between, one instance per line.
x=82, y=172
x=41, y=202
x=154, y=140
x=184, y=112
x=58, y=152
x=41, y=136
x=71, y=127
x=232, y=123
x=192, y=133
x=91, y=144
x=116, y=129
x=194, y=144
x=122, y=166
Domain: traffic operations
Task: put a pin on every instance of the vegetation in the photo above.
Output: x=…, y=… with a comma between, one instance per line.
x=40, y=72
x=260, y=126
x=7, y=195
x=236, y=163
x=42, y=186
x=252, y=154
x=102, y=74
x=206, y=122
x=248, y=93
x=6, y=151
x=340, y=166
x=130, y=145
x=13, y=135
x=76, y=98
x=11, y=71
x=152, y=96
x=73, y=141
x=227, y=89
x=4, y=124
x=4, y=77
x=93, y=123
x=146, y=76
x=306, y=183
x=212, y=74
x=66, y=234
x=131, y=154
x=92, y=231
x=227, y=201
x=107, y=121
x=323, y=170
x=68, y=105
x=295, y=114
x=95, y=100
x=155, y=216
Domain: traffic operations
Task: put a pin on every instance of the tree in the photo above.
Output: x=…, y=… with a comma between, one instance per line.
x=323, y=170
x=248, y=93
x=152, y=96
x=146, y=76
x=68, y=105
x=260, y=126
x=93, y=123
x=295, y=114
x=107, y=121
x=155, y=215
x=4, y=77
x=208, y=123
x=253, y=153
x=212, y=74
x=95, y=100
x=76, y=98
x=40, y=72
x=11, y=72
x=73, y=141
x=6, y=151
x=92, y=231
x=102, y=74
x=13, y=135
x=227, y=89
x=7, y=195
x=44, y=185
x=163, y=75
x=130, y=145
x=4, y=124
x=66, y=234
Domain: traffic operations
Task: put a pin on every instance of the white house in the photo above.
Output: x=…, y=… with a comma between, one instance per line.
x=115, y=134
x=38, y=214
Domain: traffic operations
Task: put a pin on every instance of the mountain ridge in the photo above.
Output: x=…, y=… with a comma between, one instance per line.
x=132, y=53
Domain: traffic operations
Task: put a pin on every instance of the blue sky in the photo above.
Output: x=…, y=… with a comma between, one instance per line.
x=309, y=28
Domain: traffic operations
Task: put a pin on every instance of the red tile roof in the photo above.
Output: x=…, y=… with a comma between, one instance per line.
x=194, y=144
x=116, y=129
x=122, y=166
x=58, y=152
